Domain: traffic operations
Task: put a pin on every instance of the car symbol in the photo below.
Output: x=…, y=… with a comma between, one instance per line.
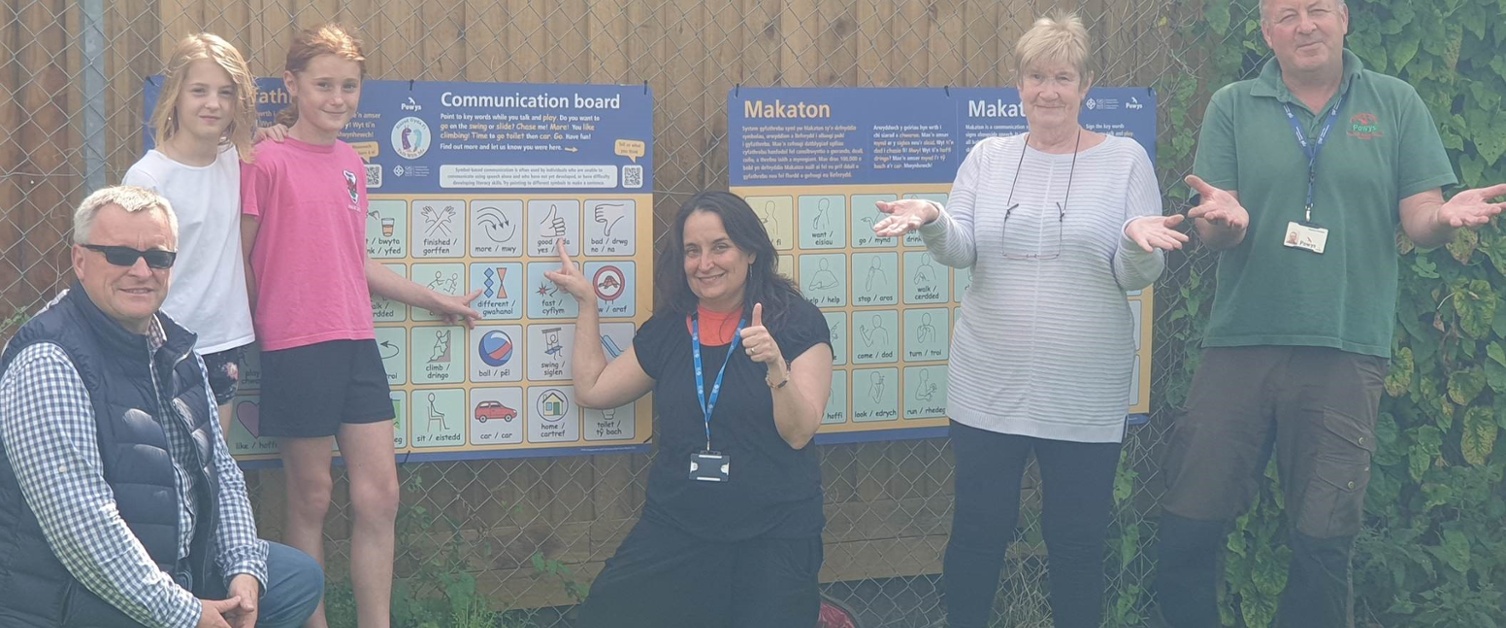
x=488, y=410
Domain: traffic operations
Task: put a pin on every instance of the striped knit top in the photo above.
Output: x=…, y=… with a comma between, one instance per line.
x=1044, y=345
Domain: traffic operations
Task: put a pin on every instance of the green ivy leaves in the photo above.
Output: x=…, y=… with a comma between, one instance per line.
x=1495, y=368
x=1490, y=139
x=1479, y=438
x=1464, y=386
x=1475, y=303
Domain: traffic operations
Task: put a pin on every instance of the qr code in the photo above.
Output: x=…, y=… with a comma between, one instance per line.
x=373, y=176
x=632, y=176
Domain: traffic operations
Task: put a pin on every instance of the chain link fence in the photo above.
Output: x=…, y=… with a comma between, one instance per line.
x=533, y=532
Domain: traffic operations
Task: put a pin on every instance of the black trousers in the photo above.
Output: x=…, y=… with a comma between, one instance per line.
x=1077, y=498
x=661, y=577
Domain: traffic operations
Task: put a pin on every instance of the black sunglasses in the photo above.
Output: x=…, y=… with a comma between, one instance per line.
x=127, y=256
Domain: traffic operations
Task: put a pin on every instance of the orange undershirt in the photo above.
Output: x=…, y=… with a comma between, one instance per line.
x=716, y=327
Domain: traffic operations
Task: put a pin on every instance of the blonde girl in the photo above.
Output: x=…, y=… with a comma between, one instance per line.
x=203, y=126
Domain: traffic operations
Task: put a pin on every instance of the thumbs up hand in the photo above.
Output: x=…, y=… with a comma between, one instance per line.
x=553, y=225
x=759, y=344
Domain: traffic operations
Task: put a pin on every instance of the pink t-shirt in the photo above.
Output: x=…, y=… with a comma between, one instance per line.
x=310, y=251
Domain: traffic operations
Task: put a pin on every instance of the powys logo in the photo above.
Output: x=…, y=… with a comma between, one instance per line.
x=1364, y=126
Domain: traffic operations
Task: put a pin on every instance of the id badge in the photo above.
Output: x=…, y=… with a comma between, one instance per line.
x=710, y=466
x=1306, y=236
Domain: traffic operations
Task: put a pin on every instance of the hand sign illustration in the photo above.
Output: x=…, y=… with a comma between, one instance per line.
x=553, y=225
x=823, y=279
x=925, y=332
x=768, y=217
x=875, y=335
x=875, y=274
x=605, y=217
x=925, y=389
x=821, y=222
x=925, y=274
x=438, y=220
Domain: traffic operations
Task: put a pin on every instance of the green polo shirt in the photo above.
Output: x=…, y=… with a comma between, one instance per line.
x=1383, y=147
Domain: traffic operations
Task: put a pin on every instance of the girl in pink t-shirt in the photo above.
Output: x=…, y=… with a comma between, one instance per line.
x=310, y=284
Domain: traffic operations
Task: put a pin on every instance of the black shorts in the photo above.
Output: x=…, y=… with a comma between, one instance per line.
x=309, y=391
x=224, y=370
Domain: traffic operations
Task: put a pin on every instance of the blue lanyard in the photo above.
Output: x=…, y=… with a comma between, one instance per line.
x=1311, y=149
x=707, y=405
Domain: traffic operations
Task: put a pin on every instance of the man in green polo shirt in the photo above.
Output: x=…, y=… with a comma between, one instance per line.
x=1305, y=173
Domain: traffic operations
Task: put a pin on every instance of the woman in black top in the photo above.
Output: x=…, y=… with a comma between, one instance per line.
x=731, y=532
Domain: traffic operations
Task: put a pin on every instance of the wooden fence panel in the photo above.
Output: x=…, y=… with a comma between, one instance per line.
x=48, y=136
x=12, y=162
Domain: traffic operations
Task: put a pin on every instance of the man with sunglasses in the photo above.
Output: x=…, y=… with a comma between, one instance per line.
x=120, y=502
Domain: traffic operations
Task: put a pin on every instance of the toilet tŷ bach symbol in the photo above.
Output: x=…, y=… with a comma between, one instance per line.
x=609, y=283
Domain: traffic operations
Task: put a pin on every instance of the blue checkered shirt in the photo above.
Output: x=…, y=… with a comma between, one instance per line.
x=48, y=430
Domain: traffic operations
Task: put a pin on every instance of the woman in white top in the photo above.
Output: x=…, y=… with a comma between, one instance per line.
x=204, y=124
x=1057, y=225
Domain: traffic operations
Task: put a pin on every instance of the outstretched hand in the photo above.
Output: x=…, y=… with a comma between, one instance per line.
x=1218, y=207
x=1472, y=209
x=1157, y=232
x=904, y=216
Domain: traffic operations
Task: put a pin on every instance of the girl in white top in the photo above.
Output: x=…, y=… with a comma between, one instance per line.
x=204, y=124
